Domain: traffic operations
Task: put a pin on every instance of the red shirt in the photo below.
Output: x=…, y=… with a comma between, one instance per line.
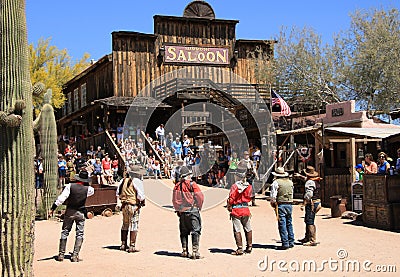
x=106, y=164
x=187, y=197
x=114, y=164
x=235, y=197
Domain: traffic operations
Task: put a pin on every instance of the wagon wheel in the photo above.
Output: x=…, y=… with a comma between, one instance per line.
x=90, y=214
x=107, y=212
x=199, y=9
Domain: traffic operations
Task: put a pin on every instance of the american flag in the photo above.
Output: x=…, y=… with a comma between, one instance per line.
x=276, y=99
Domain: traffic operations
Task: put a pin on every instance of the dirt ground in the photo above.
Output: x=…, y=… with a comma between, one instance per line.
x=343, y=246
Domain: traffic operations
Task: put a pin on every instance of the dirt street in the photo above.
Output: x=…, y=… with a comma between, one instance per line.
x=343, y=246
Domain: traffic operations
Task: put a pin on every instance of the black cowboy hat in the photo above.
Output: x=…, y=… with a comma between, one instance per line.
x=83, y=177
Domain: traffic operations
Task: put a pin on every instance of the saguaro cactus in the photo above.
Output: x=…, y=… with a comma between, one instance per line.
x=45, y=124
x=16, y=144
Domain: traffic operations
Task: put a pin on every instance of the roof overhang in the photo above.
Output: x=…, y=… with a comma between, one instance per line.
x=366, y=132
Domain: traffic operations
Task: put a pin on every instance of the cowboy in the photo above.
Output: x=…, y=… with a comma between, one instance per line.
x=282, y=200
x=188, y=199
x=237, y=204
x=76, y=195
x=312, y=204
x=131, y=198
x=176, y=171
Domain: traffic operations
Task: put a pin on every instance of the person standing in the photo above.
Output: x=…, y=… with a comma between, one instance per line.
x=282, y=200
x=186, y=144
x=62, y=171
x=237, y=204
x=131, y=198
x=312, y=204
x=251, y=174
x=383, y=164
x=370, y=167
x=398, y=162
x=160, y=135
x=177, y=147
x=188, y=199
x=75, y=194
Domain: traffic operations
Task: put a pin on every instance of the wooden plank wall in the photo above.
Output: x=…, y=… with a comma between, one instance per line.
x=135, y=54
x=336, y=185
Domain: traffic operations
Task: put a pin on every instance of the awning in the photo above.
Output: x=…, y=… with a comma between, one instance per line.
x=366, y=132
x=120, y=101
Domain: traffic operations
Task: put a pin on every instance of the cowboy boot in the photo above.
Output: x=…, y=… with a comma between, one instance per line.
x=306, y=236
x=77, y=248
x=249, y=242
x=124, y=239
x=239, y=244
x=133, y=235
x=313, y=237
x=195, y=246
x=184, y=242
x=61, y=250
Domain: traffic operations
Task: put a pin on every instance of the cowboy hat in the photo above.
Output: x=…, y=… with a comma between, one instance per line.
x=310, y=171
x=136, y=169
x=280, y=172
x=83, y=177
x=184, y=171
x=241, y=169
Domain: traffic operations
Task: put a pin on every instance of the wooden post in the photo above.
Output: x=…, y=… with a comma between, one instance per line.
x=353, y=153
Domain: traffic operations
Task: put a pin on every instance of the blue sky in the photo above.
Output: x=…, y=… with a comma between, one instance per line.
x=85, y=26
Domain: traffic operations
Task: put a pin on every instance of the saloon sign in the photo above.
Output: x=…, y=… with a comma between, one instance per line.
x=196, y=55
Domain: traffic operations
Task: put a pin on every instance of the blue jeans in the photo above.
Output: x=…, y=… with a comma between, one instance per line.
x=285, y=224
x=309, y=217
x=70, y=217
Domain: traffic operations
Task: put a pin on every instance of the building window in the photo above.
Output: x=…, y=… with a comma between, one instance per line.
x=83, y=95
x=69, y=103
x=76, y=99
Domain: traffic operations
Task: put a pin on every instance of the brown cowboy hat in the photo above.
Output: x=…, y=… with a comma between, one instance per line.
x=280, y=172
x=136, y=169
x=310, y=171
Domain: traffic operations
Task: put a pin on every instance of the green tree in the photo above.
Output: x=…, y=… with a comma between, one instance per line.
x=368, y=60
x=301, y=70
x=53, y=67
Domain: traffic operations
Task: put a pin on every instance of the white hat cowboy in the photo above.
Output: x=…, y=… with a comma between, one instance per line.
x=280, y=172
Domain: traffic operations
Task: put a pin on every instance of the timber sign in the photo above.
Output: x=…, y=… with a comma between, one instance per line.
x=196, y=55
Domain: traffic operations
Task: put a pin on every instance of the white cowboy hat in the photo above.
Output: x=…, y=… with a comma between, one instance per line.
x=280, y=172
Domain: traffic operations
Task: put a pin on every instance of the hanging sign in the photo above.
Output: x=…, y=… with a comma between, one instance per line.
x=196, y=55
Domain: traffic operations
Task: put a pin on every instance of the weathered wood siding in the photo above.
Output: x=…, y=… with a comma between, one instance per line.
x=134, y=54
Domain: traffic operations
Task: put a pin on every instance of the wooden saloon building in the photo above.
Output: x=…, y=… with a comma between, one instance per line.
x=201, y=45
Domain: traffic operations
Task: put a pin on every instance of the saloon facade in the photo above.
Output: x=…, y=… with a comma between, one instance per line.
x=203, y=50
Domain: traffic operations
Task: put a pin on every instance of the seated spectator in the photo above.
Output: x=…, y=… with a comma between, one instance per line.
x=107, y=172
x=114, y=167
x=98, y=170
x=156, y=169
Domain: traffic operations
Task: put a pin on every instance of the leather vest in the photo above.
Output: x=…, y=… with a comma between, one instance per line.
x=127, y=192
x=77, y=197
x=285, y=190
x=316, y=193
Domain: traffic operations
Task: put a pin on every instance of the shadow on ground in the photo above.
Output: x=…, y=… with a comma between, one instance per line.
x=167, y=253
